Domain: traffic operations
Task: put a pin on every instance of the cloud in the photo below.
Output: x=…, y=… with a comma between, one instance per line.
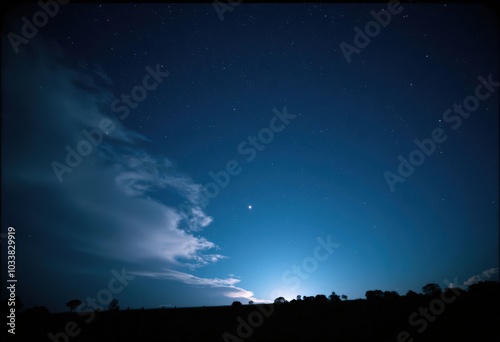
x=141, y=174
x=486, y=275
x=121, y=202
x=227, y=285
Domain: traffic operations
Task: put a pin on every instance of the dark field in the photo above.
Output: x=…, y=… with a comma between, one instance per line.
x=468, y=316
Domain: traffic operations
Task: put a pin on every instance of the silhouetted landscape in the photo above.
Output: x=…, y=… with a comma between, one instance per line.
x=213, y=171
x=436, y=315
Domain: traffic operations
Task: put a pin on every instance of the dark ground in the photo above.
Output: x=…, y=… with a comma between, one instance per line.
x=472, y=316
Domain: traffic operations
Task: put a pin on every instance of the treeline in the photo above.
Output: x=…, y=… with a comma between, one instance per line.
x=429, y=290
x=435, y=314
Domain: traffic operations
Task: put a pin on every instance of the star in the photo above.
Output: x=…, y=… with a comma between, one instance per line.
x=249, y=207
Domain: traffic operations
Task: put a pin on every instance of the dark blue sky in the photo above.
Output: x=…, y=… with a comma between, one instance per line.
x=266, y=100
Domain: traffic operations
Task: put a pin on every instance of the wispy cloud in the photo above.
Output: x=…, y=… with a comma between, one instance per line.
x=485, y=276
x=227, y=285
x=121, y=201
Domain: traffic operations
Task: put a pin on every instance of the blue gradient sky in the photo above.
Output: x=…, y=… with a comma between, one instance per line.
x=321, y=176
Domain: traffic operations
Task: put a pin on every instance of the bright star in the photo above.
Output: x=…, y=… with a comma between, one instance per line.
x=249, y=207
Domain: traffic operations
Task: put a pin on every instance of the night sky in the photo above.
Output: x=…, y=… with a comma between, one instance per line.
x=250, y=157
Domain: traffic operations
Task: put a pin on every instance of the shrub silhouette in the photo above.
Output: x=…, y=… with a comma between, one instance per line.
x=411, y=294
x=307, y=298
x=381, y=317
x=73, y=304
x=113, y=305
x=321, y=298
x=279, y=300
x=431, y=289
x=334, y=298
x=391, y=295
x=374, y=294
x=489, y=288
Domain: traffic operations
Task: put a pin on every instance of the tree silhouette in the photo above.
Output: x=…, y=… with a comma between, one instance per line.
x=334, y=298
x=236, y=304
x=320, y=298
x=485, y=288
x=299, y=297
x=411, y=294
x=250, y=302
x=391, y=295
x=451, y=292
x=431, y=289
x=73, y=304
x=307, y=298
x=279, y=300
x=344, y=297
x=374, y=294
x=113, y=305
